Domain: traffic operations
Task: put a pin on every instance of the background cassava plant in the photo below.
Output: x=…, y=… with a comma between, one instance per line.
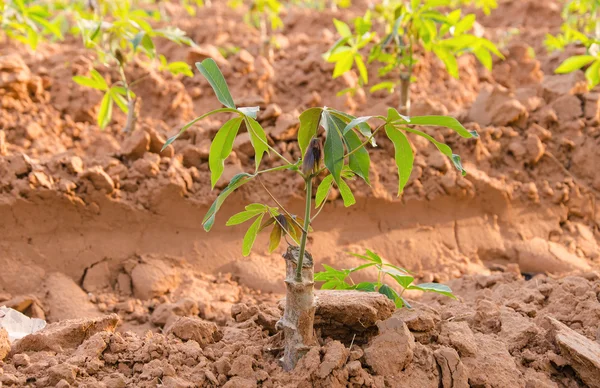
x=341, y=279
x=581, y=27
x=410, y=28
x=31, y=22
x=120, y=34
x=343, y=156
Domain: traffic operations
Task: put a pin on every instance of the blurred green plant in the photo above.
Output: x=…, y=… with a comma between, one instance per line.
x=581, y=27
x=121, y=34
x=410, y=28
x=31, y=22
x=336, y=279
x=344, y=156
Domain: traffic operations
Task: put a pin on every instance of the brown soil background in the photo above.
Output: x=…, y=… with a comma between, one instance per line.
x=95, y=222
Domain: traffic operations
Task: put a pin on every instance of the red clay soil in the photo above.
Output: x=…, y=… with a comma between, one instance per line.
x=99, y=222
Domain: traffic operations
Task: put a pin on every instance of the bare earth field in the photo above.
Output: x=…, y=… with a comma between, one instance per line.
x=100, y=232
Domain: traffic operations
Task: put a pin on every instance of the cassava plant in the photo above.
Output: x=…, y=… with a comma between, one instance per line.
x=581, y=27
x=120, y=34
x=336, y=279
x=31, y=22
x=343, y=157
x=410, y=29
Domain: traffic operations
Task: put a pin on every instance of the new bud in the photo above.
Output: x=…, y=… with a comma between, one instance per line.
x=312, y=158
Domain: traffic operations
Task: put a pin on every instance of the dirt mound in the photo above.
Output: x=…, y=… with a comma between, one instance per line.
x=504, y=331
x=97, y=222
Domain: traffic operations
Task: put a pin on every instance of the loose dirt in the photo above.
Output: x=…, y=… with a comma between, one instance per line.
x=100, y=222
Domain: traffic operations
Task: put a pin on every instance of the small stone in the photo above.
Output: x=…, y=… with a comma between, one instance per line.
x=567, y=108
x=66, y=334
x=33, y=131
x=3, y=143
x=20, y=360
x=153, y=278
x=271, y=112
x=454, y=374
x=242, y=366
x=100, y=179
x=136, y=144
x=4, y=344
x=246, y=57
x=193, y=156
x=62, y=371
x=146, y=168
x=517, y=149
x=535, y=148
x=40, y=179
x=582, y=354
x=19, y=164
x=335, y=357
x=195, y=329
x=438, y=161
x=392, y=350
x=204, y=51
x=286, y=127
x=558, y=85
x=74, y=165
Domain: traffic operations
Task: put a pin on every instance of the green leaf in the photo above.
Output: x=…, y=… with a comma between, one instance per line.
x=334, y=147
x=258, y=138
x=444, y=149
x=484, y=56
x=250, y=236
x=444, y=121
x=194, y=121
x=363, y=128
x=343, y=64
x=387, y=85
x=105, y=112
x=119, y=99
x=87, y=82
x=235, y=183
x=355, y=122
x=362, y=69
x=433, y=287
x=592, y=74
x=403, y=279
x=309, y=123
x=221, y=147
x=366, y=286
x=361, y=267
x=359, y=161
x=389, y=292
x=448, y=58
x=212, y=73
x=275, y=238
x=573, y=63
x=323, y=189
x=176, y=68
x=404, y=155
x=394, y=117
x=244, y=216
x=342, y=28
x=369, y=256
x=250, y=111
x=346, y=193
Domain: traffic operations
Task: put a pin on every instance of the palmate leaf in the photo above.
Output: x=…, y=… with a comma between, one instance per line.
x=213, y=75
x=221, y=147
x=403, y=155
x=235, y=183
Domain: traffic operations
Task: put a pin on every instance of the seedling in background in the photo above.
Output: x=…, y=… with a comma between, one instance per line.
x=336, y=279
x=30, y=22
x=345, y=156
x=581, y=26
x=120, y=35
x=410, y=29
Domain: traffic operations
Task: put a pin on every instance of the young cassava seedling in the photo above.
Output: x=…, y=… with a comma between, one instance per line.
x=411, y=27
x=336, y=279
x=581, y=26
x=343, y=156
x=119, y=34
